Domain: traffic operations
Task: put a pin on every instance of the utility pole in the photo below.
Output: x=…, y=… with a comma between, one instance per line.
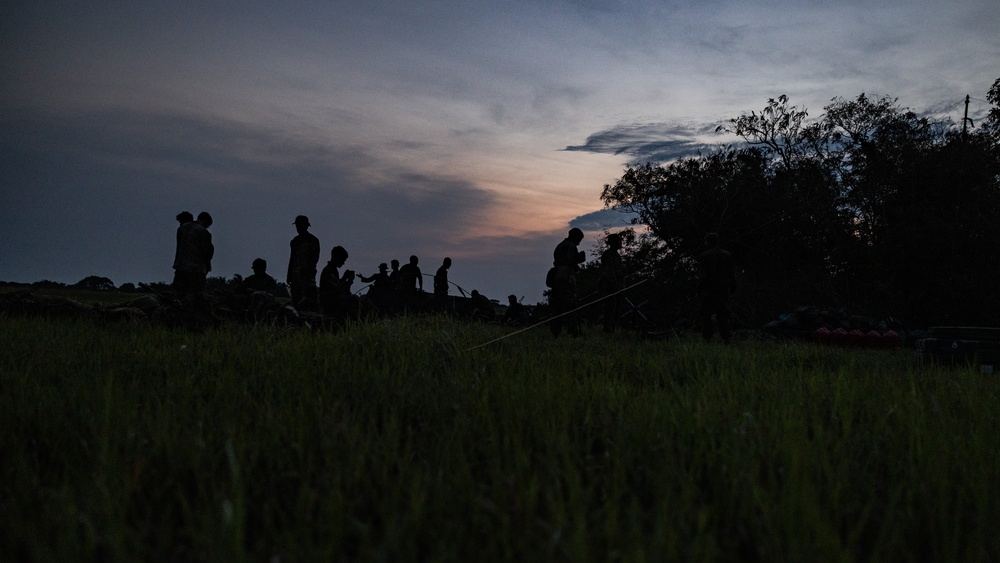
x=966, y=120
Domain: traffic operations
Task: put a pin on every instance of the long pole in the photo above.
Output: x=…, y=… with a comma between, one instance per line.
x=965, y=120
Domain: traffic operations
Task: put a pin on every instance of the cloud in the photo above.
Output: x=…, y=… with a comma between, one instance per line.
x=85, y=191
x=653, y=142
x=604, y=219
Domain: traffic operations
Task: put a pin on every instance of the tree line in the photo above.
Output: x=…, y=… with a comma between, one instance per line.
x=870, y=207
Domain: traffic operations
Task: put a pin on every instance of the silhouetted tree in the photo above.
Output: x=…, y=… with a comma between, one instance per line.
x=869, y=206
x=991, y=126
x=95, y=283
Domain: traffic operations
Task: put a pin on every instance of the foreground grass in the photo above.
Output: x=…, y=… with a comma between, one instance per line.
x=401, y=440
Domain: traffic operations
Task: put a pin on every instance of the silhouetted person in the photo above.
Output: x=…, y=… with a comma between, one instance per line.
x=334, y=289
x=193, y=258
x=562, y=298
x=441, y=278
x=612, y=281
x=516, y=313
x=482, y=308
x=183, y=218
x=184, y=282
x=256, y=295
x=301, y=276
x=441, y=286
x=260, y=280
x=380, y=280
x=394, y=275
x=410, y=279
x=205, y=220
x=716, y=284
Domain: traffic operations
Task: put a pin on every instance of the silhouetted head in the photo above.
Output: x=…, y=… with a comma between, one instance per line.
x=475, y=293
x=259, y=264
x=447, y=263
x=205, y=219
x=512, y=299
x=414, y=260
x=712, y=239
x=395, y=264
x=184, y=217
x=301, y=221
x=614, y=241
x=338, y=255
x=575, y=235
x=383, y=267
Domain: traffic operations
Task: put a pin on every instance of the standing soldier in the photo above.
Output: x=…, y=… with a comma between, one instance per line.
x=183, y=283
x=193, y=258
x=716, y=284
x=441, y=278
x=410, y=279
x=566, y=259
x=302, y=266
x=394, y=275
x=612, y=281
x=441, y=285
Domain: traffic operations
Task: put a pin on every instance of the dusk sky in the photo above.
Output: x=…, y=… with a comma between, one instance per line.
x=477, y=130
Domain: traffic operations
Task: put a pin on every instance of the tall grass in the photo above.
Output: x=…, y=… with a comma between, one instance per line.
x=405, y=440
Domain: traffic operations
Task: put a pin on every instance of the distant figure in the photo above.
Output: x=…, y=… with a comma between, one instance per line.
x=256, y=295
x=482, y=308
x=441, y=278
x=335, y=290
x=380, y=280
x=612, y=281
x=205, y=220
x=193, y=257
x=516, y=312
x=716, y=284
x=394, y=275
x=562, y=298
x=410, y=279
x=260, y=280
x=440, y=301
x=301, y=276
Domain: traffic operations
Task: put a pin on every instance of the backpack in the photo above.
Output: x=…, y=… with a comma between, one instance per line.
x=550, y=277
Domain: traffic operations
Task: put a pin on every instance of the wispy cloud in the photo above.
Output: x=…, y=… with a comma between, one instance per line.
x=653, y=142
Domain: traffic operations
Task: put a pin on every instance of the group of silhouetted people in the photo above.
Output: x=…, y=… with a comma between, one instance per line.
x=333, y=295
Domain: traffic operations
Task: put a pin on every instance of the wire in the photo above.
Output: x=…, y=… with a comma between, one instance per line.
x=543, y=321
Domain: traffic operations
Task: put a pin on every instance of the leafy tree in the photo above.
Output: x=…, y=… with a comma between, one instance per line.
x=870, y=207
x=992, y=125
x=95, y=283
x=778, y=128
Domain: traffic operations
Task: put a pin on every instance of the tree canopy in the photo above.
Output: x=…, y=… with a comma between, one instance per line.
x=870, y=207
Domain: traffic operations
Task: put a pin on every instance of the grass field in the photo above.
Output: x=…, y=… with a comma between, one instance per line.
x=405, y=440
